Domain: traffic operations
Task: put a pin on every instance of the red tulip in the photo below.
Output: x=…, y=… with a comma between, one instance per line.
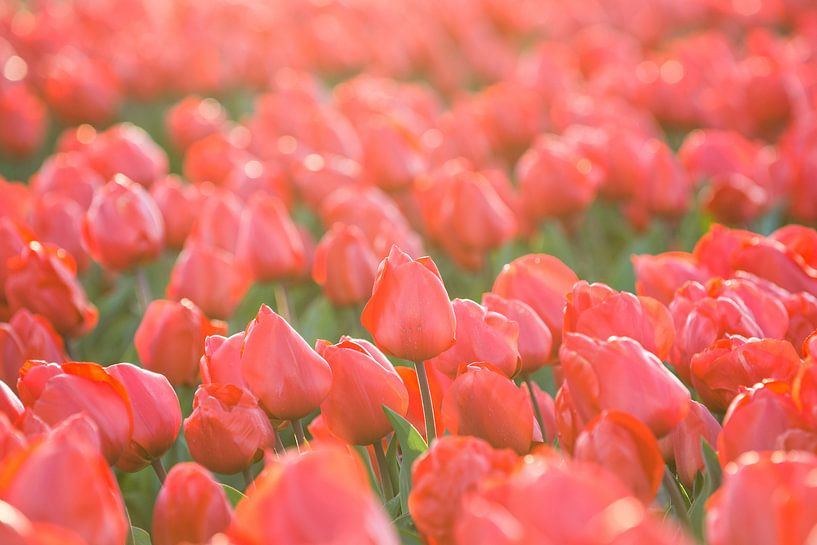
x=482, y=335
x=69, y=175
x=227, y=431
x=16, y=529
x=345, y=252
x=193, y=118
x=392, y=155
x=212, y=158
x=58, y=220
x=27, y=337
x=55, y=392
x=128, y=150
x=626, y=447
x=221, y=362
x=409, y=314
x=123, y=227
x=218, y=222
x=331, y=486
x=12, y=440
x=10, y=404
x=13, y=240
x=289, y=379
x=156, y=415
x=484, y=403
x=684, y=442
x=438, y=383
x=170, y=339
x=541, y=281
x=23, y=120
x=362, y=384
x=800, y=239
x=178, y=204
x=535, y=340
x=445, y=474
x=43, y=280
x=618, y=374
x=191, y=507
x=773, y=261
x=660, y=276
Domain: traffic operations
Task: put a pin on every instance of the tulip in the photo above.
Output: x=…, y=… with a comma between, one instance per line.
x=535, y=339
x=227, y=431
x=799, y=239
x=319, y=176
x=221, y=362
x=484, y=403
x=773, y=261
x=625, y=446
x=191, y=507
x=57, y=220
x=684, y=442
x=178, y=204
x=330, y=485
x=445, y=474
x=37, y=341
x=437, y=383
x=16, y=529
x=544, y=430
x=481, y=335
x=193, y=118
x=170, y=339
x=13, y=240
x=212, y=158
x=776, y=484
x=24, y=120
x=659, y=276
x=81, y=493
x=156, y=416
x=12, y=440
x=69, y=175
x=542, y=281
x=55, y=392
x=210, y=278
x=128, y=150
x=619, y=374
x=10, y=404
x=361, y=386
x=392, y=155
x=345, y=251
x=219, y=219
x=735, y=199
x=43, y=280
x=568, y=421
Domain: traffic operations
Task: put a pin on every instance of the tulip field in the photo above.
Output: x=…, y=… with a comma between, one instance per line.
x=408, y=272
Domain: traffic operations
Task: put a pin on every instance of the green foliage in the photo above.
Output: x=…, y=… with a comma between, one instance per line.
x=412, y=446
x=712, y=477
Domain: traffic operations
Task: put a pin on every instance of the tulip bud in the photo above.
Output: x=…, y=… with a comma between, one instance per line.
x=23, y=120
x=123, y=226
x=484, y=403
x=227, y=431
x=130, y=151
x=535, y=340
x=69, y=175
x=178, y=204
x=193, y=118
x=345, y=251
x=268, y=241
x=58, y=220
x=684, y=442
x=219, y=219
x=362, y=385
x=289, y=379
x=221, y=362
x=659, y=276
x=170, y=339
x=191, y=507
x=156, y=415
x=409, y=314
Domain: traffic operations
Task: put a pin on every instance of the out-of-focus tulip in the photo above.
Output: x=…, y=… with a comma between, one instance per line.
x=129, y=150
x=55, y=392
x=63, y=480
x=13, y=240
x=331, y=486
x=318, y=176
x=437, y=383
x=392, y=155
x=626, y=447
x=683, y=444
x=210, y=277
x=16, y=529
x=57, y=220
x=361, y=386
x=157, y=416
x=123, y=227
x=619, y=374
x=484, y=403
x=535, y=341
x=221, y=362
x=27, y=337
x=776, y=484
x=447, y=472
x=193, y=118
x=542, y=281
x=23, y=120
x=191, y=507
x=178, y=204
x=81, y=89
x=212, y=158
x=170, y=339
x=289, y=379
x=69, y=175
x=227, y=430
x=409, y=314
x=219, y=219
x=268, y=241
x=43, y=280
x=659, y=276
x=10, y=404
x=345, y=252
x=735, y=199
x=482, y=335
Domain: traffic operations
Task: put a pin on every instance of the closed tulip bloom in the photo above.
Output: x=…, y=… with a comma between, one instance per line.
x=157, y=415
x=535, y=340
x=63, y=480
x=170, y=339
x=219, y=218
x=57, y=220
x=70, y=175
x=659, y=276
x=178, y=203
x=619, y=374
x=409, y=314
x=43, y=280
x=16, y=529
x=568, y=421
x=123, y=227
x=128, y=150
x=193, y=118
x=484, y=403
x=10, y=404
x=361, y=386
x=221, y=362
x=331, y=486
x=191, y=507
x=24, y=120
x=345, y=252
x=452, y=468
x=683, y=444
x=773, y=261
x=438, y=383
x=626, y=447
x=210, y=278
x=268, y=241
x=27, y=337
x=289, y=379
x=542, y=281
x=55, y=392
x=777, y=484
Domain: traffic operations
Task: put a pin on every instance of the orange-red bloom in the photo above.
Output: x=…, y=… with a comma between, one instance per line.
x=345, y=265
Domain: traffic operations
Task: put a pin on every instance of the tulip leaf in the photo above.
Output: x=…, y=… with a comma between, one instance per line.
x=711, y=482
x=137, y=536
x=412, y=445
x=367, y=463
x=391, y=459
x=407, y=530
x=233, y=495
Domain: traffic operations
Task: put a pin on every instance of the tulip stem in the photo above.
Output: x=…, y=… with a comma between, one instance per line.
x=279, y=447
x=282, y=303
x=248, y=480
x=142, y=288
x=425, y=395
x=677, y=502
x=537, y=410
x=298, y=428
x=383, y=468
x=159, y=468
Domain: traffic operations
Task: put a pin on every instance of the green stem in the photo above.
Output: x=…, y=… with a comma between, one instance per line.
x=428, y=407
x=537, y=410
x=676, y=500
x=279, y=447
x=159, y=469
x=383, y=468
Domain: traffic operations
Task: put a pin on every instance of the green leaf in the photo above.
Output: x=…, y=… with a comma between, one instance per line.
x=407, y=531
x=137, y=536
x=391, y=459
x=711, y=482
x=233, y=496
x=412, y=445
x=367, y=463
x=393, y=507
